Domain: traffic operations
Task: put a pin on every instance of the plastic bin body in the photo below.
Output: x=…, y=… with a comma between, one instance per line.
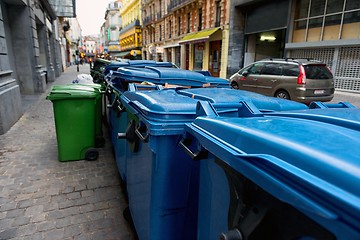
x=74, y=112
x=279, y=168
x=161, y=179
x=117, y=124
x=95, y=88
x=100, y=105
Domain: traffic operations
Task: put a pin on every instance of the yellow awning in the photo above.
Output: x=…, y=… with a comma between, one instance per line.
x=201, y=36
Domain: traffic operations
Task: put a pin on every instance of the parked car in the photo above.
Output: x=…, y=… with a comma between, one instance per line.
x=301, y=80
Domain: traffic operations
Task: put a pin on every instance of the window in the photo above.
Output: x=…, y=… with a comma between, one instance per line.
x=302, y=8
x=317, y=72
x=160, y=4
x=255, y=68
x=291, y=70
x=352, y=4
x=160, y=32
x=218, y=14
x=327, y=20
x=188, y=22
x=272, y=69
x=334, y=6
x=317, y=8
x=200, y=19
x=178, y=27
x=170, y=28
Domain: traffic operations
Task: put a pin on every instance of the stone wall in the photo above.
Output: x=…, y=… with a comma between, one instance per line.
x=10, y=100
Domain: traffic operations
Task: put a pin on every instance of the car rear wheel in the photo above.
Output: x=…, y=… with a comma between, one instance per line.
x=234, y=85
x=282, y=94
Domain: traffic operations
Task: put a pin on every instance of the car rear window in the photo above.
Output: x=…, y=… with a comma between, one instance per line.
x=317, y=72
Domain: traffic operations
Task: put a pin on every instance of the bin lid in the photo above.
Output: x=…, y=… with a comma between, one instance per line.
x=136, y=63
x=347, y=117
x=59, y=92
x=162, y=105
x=226, y=95
x=92, y=85
x=173, y=76
x=317, y=161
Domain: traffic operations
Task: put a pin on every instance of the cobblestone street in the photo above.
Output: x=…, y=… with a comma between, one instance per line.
x=42, y=198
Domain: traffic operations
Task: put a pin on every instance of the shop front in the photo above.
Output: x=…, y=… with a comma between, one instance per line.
x=203, y=51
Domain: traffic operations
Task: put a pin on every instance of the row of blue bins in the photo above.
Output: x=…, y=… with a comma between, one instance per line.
x=218, y=163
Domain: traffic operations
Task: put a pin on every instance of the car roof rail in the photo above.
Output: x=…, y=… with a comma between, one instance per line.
x=293, y=59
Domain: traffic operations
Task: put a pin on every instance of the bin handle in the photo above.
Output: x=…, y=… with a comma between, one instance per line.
x=195, y=156
x=139, y=129
x=314, y=105
x=113, y=103
x=120, y=106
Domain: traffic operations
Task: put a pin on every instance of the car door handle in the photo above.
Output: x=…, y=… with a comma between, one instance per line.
x=255, y=79
x=273, y=80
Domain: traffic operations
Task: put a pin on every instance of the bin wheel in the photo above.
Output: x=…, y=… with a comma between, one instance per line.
x=99, y=141
x=91, y=154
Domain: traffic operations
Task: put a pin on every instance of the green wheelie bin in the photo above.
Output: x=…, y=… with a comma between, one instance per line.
x=75, y=120
x=98, y=89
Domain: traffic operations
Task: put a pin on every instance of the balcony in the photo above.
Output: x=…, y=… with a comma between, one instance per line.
x=176, y=4
x=148, y=20
x=135, y=23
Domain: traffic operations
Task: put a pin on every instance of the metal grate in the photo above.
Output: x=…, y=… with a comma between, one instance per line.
x=347, y=64
x=325, y=55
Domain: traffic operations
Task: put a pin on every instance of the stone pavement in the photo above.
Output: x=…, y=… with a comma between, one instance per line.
x=42, y=198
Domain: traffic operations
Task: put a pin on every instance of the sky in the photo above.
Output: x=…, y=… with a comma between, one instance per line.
x=90, y=14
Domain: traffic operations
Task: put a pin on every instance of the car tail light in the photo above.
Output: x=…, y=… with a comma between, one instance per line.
x=301, y=79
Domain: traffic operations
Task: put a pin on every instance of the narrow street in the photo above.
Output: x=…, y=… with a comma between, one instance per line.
x=341, y=96
x=42, y=198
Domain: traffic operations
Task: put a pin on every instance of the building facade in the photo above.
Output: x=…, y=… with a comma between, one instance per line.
x=70, y=32
x=131, y=32
x=29, y=54
x=192, y=34
x=112, y=26
x=327, y=30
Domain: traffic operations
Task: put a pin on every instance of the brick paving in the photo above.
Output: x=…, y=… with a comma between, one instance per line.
x=42, y=198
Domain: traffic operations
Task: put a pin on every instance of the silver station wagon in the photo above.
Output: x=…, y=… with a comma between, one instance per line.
x=301, y=80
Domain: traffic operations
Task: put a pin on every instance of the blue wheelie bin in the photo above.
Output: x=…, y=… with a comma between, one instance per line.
x=286, y=175
x=119, y=81
x=161, y=179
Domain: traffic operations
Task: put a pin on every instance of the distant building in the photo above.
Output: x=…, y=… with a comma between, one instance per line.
x=111, y=28
x=131, y=32
x=71, y=40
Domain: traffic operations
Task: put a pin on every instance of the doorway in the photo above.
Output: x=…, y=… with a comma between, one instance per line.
x=215, y=58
